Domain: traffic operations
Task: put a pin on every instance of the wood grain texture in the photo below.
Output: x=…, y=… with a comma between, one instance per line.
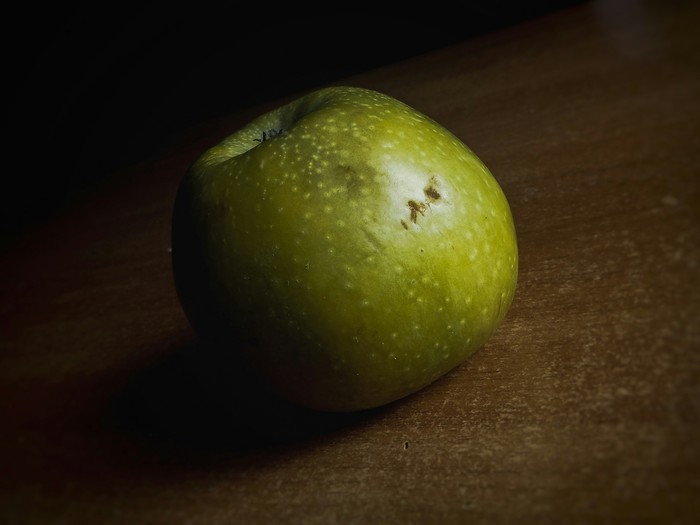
x=583, y=408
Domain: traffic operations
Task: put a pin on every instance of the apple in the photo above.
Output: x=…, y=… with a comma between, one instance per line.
x=347, y=249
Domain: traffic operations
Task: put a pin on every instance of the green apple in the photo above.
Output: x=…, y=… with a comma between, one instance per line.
x=346, y=247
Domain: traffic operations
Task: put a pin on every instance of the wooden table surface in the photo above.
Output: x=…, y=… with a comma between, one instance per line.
x=584, y=407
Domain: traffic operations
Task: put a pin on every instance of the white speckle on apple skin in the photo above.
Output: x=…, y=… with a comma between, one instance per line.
x=363, y=230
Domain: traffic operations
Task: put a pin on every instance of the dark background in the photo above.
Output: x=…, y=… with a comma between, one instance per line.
x=92, y=89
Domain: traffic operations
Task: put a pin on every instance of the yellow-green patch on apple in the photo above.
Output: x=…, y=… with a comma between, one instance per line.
x=351, y=248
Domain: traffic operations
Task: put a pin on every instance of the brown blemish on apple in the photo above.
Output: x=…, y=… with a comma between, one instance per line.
x=418, y=207
x=431, y=192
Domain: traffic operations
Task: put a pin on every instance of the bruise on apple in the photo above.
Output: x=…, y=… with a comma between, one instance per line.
x=350, y=180
x=355, y=180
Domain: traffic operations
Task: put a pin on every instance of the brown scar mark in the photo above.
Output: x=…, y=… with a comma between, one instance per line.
x=431, y=191
x=431, y=195
x=416, y=208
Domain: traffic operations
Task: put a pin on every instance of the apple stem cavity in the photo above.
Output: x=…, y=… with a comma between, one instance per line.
x=269, y=134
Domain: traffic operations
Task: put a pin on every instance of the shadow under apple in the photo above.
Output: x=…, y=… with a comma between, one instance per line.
x=192, y=408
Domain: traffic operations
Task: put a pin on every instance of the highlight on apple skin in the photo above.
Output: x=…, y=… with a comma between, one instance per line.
x=347, y=248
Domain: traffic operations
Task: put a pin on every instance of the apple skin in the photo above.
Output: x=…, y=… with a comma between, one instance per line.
x=345, y=247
